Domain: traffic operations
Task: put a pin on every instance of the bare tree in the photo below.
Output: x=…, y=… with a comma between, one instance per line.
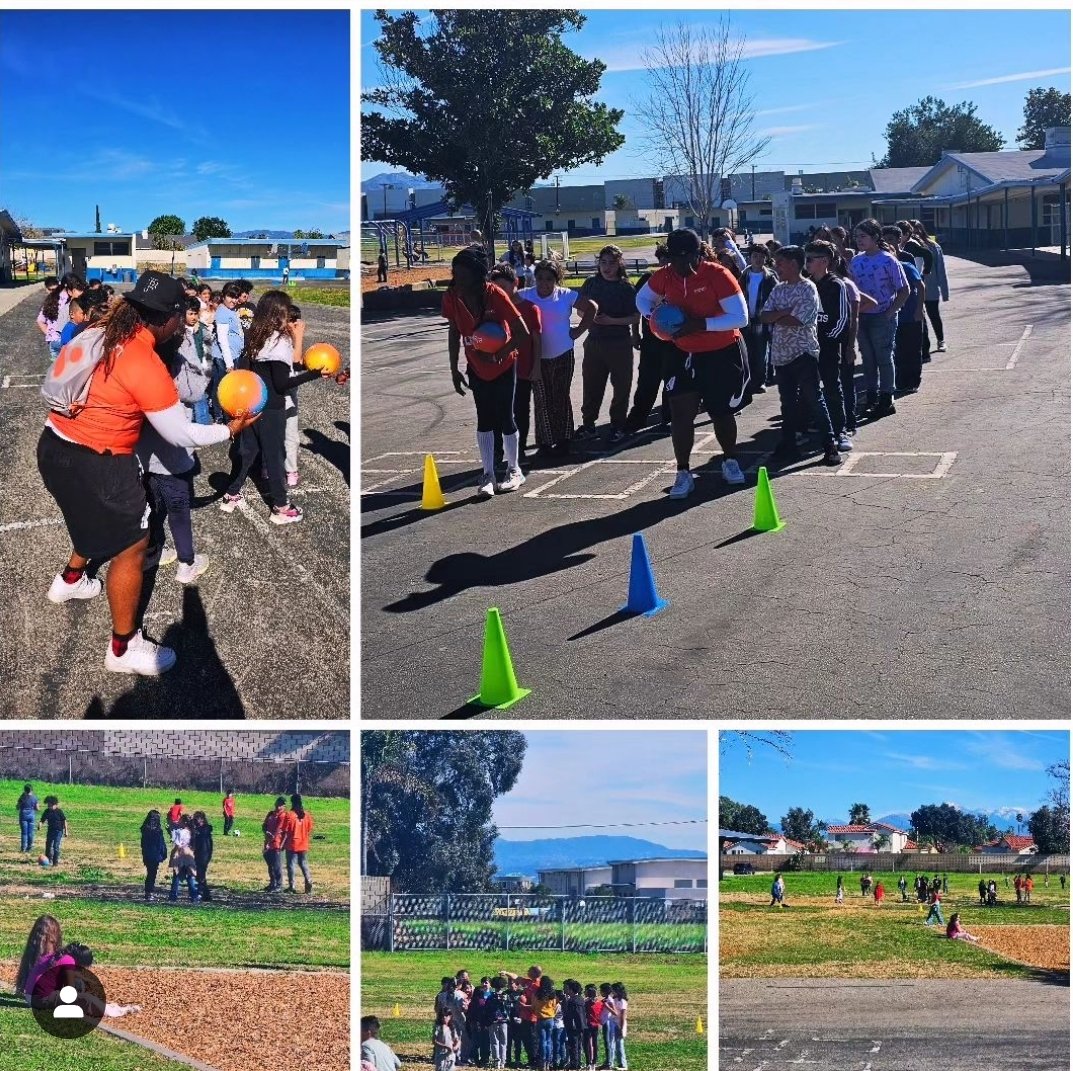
x=779, y=740
x=699, y=114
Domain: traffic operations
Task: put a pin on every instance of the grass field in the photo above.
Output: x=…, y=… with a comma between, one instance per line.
x=337, y=294
x=813, y=936
x=667, y=994
x=101, y=819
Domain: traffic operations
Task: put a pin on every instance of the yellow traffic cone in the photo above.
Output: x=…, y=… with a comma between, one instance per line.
x=122, y=851
x=700, y=1025
x=499, y=686
x=396, y=1012
x=431, y=495
x=765, y=512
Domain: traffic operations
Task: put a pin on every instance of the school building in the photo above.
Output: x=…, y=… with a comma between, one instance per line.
x=268, y=258
x=10, y=237
x=574, y=881
x=665, y=879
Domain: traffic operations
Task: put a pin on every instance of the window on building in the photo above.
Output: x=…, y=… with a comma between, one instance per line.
x=1049, y=214
x=320, y=262
x=111, y=249
x=683, y=883
x=255, y=262
x=804, y=211
x=571, y=224
x=549, y=224
x=702, y=883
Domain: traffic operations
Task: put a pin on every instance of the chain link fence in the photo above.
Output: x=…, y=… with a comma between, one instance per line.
x=514, y=922
x=907, y=862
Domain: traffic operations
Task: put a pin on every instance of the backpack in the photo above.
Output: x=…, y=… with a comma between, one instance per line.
x=66, y=387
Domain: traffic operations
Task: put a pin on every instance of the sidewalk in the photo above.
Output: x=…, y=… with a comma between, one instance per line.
x=9, y=298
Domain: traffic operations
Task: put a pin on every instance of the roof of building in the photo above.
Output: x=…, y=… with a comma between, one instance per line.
x=660, y=859
x=896, y=179
x=910, y=845
x=1014, y=841
x=851, y=829
x=889, y=827
x=1016, y=165
x=734, y=834
x=9, y=226
x=272, y=241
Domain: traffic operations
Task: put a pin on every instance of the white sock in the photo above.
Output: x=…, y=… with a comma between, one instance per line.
x=486, y=443
x=510, y=449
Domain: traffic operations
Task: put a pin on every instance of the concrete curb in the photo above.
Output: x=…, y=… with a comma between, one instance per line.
x=152, y=1046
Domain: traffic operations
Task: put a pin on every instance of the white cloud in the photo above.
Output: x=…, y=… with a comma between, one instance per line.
x=629, y=57
x=1023, y=76
x=786, y=131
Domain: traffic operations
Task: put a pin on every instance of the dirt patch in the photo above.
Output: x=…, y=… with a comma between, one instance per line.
x=406, y=276
x=237, y=1020
x=1046, y=947
x=878, y=969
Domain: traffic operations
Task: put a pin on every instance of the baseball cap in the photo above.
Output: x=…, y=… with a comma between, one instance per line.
x=159, y=292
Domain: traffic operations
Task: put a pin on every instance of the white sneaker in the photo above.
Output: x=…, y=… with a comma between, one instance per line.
x=289, y=514
x=142, y=656
x=732, y=471
x=156, y=558
x=187, y=574
x=514, y=480
x=84, y=587
x=683, y=484
x=941, y=348
x=486, y=485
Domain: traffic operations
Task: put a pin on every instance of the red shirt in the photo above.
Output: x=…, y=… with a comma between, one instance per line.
x=531, y=316
x=229, y=806
x=498, y=308
x=175, y=812
x=699, y=295
x=595, y=1011
x=528, y=1009
x=275, y=825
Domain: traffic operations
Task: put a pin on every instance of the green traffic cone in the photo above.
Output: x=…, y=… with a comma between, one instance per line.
x=765, y=512
x=499, y=686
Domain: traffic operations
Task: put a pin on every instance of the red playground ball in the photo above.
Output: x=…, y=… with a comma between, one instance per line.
x=242, y=392
x=666, y=320
x=489, y=337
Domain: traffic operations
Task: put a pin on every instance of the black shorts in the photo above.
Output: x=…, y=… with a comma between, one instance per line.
x=101, y=496
x=720, y=377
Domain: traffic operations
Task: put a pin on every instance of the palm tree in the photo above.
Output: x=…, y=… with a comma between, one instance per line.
x=881, y=842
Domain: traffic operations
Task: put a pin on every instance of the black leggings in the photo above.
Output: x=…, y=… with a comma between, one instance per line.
x=494, y=399
x=932, y=309
x=171, y=497
x=266, y=438
x=150, y=877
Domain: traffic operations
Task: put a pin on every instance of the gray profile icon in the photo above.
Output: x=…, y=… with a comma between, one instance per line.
x=68, y=1009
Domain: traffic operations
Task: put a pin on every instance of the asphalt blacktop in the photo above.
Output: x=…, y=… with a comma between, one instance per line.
x=926, y=577
x=923, y=1025
x=263, y=634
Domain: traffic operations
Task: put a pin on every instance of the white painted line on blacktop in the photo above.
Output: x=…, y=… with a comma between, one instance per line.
x=21, y=526
x=9, y=380
x=1012, y=362
x=942, y=466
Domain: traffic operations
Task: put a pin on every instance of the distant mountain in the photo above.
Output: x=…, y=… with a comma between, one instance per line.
x=401, y=179
x=528, y=856
x=1004, y=818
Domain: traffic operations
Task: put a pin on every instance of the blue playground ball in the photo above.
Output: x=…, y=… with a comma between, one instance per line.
x=666, y=320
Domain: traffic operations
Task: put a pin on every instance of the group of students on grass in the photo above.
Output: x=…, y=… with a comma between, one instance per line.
x=510, y=1020
x=774, y=315
x=117, y=452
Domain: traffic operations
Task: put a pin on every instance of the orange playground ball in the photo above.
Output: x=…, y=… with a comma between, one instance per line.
x=242, y=392
x=323, y=358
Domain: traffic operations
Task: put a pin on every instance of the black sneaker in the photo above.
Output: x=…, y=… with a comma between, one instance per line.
x=831, y=456
x=616, y=435
x=883, y=407
x=586, y=431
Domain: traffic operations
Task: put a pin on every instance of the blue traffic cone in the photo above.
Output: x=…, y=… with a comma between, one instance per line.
x=642, y=598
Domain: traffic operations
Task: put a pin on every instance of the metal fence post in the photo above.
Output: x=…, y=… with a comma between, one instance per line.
x=562, y=924
x=145, y=773
x=633, y=924
x=506, y=923
x=298, y=776
x=70, y=769
x=391, y=922
x=447, y=913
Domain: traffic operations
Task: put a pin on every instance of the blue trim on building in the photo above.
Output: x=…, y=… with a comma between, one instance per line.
x=296, y=275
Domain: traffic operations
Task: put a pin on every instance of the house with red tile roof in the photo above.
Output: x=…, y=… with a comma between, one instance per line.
x=862, y=838
x=1010, y=844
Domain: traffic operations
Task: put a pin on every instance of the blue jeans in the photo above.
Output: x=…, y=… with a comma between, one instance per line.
x=875, y=337
x=619, y=1053
x=54, y=349
x=219, y=370
x=26, y=832
x=547, y=1042
x=187, y=875
x=559, y=1039
x=800, y=397
x=52, y=846
x=610, y=1041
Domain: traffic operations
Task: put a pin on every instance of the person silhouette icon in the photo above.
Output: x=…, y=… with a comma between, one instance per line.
x=68, y=1009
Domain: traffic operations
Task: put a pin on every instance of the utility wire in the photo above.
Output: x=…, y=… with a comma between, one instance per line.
x=617, y=825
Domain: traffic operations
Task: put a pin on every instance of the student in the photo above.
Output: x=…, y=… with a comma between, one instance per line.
x=183, y=863
x=711, y=366
x=87, y=460
x=840, y=891
x=154, y=851
x=55, y=823
x=55, y=311
x=857, y=302
x=206, y=308
x=879, y=893
x=471, y=300
x=227, y=342
x=903, y=888
x=297, y=833
x=269, y=350
x=373, y=1050
x=273, y=827
x=778, y=891
x=229, y=812
x=545, y=1005
x=936, y=284
x=575, y=1022
x=195, y=353
x=26, y=808
x=175, y=814
x=792, y=310
x=608, y=1024
x=655, y=353
x=956, y=932
x=201, y=838
x=497, y=1022
x=291, y=436
x=594, y=1007
x=477, y=1021
x=528, y=276
x=935, y=912
x=528, y=360
x=446, y=1042
x=53, y=972
x=757, y=281
x=83, y=311
x=609, y=345
x=381, y=267
x=552, y=408
x=622, y=1007
x=908, y=336
x=832, y=325
x=244, y=308
x=877, y=273
x=44, y=940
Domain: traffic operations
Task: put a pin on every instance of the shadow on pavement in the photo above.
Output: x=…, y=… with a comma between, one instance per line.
x=334, y=452
x=199, y=685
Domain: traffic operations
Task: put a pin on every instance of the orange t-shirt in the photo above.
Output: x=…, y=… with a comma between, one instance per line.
x=498, y=308
x=531, y=316
x=118, y=401
x=699, y=295
x=298, y=832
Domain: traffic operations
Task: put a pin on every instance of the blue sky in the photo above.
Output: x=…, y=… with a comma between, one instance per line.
x=243, y=115
x=821, y=113
x=893, y=771
x=609, y=777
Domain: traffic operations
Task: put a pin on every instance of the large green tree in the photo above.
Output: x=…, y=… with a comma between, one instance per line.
x=427, y=805
x=165, y=230
x=210, y=227
x=917, y=135
x=859, y=814
x=1044, y=108
x=802, y=825
x=741, y=817
x=946, y=825
x=487, y=102
x=1049, y=829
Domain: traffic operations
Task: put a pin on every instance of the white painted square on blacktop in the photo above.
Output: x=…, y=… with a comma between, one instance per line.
x=942, y=462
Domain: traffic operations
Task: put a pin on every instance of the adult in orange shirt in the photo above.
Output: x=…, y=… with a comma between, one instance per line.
x=274, y=828
x=471, y=300
x=297, y=831
x=711, y=366
x=88, y=464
